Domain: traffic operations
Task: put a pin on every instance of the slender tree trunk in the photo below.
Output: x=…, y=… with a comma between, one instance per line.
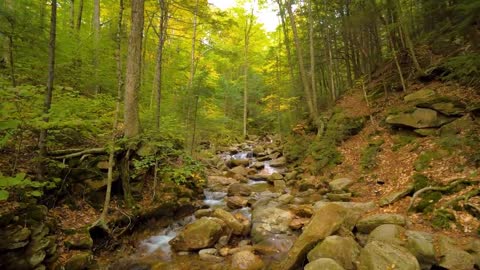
x=287, y=45
x=96, y=52
x=42, y=142
x=79, y=16
x=194, y=42
x=111, y=156
x=303, y=74
x=247, y=33
x=312, y=59
x=8, y=43
x=72, y=14
x=159, y=62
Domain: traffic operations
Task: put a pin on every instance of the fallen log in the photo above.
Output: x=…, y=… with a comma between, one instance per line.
x=83, y=152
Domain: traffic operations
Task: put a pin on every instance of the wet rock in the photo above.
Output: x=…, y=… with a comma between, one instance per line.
x=395, y=196
x=325, y=221
x=323, y=264
x=285, y=198
x=275, y=176
x=202, y=233
x=340, y=184
x=246, y=260
x=453, y=257
x=354, y=206
x=220, y=180
x=232, y=223
x=238, y=162
x=258, y=165
x=381, y=255
x=239, y=189
x=240, y=170
x=279, y=162
x=279, y=185
x=369, y=223
x=339, y=196
x=36, y=258
x=343, y=250
x=79, y=241
x=419, y=118
x=203, y=213
x=389, y=233
x=79, y=261
x=258, y=151
x=14, y=237
x=236, y=202
x=259, y=177
x=210, y=254
x=267, y=221
x=291, y=175
x=420, y=244
x=276, y=246
x=303, y=210
x=298, y=223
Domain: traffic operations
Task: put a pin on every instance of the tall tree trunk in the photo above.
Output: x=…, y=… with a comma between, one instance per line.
x=159, y=61
x=79, y=16
x=42, y=142
x=132, y=78
x=312, y=58
x=303, y=74
x=194, y=42
x=96, y=52
x=8, y=43
x=287, y=45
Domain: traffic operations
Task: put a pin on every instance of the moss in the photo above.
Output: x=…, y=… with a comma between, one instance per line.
x=368, y=159
x=442, y=219
x=402, y=140
x=424, y=159
x=428, y=201
x=420, y=181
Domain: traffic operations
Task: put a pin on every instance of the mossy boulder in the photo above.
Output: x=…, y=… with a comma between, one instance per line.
x=14, y=237
x=344, y=250
x=323, y=264
x=389, y=233
x=378, y=255
x=419, y=118
x=79, y=261
x=421, y=245
x=202, y=233
x=369, y=223
x=80, y=241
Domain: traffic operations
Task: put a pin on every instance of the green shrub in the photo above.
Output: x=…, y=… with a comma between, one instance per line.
x=428, y=201
x=401, y=140
x=22, y=186
x=442, y=219
x=420, y=181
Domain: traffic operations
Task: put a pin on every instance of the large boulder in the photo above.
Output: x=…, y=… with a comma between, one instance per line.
x=419, y=118
x=323, y=264
x=279, y=162
x=200, y=234
x=369, y=223
x=240, y=170
x=422, y=97
x=267, y=221
x=344, y=250
x=451, y=256
x=340, y=184
x=389, y=233
x=325, y=222
x=236, y=202
x=395, y=196
x=231, y=222
x=427, y=98
x=420, y=244
x=379, y=255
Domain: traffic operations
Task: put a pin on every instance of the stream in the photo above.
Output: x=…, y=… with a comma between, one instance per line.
x=248, y=189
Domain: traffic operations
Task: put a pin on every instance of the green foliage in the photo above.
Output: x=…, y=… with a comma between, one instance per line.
x=442, y=219
x=369, y=155
x=464, y=68
x=24, y=186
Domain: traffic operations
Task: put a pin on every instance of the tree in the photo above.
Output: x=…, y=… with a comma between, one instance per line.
x=96, y=34
x=162, y=36
x=42, y=142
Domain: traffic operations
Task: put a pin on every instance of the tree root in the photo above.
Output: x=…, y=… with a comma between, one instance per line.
x=82, y=152
x=438, y=188
x=465, y=197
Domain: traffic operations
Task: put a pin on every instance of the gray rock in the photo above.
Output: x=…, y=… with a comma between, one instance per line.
x=236, y=202
x=279, y=162
x=323, y=264
x=451, y=256
x=340, y=184
x=240, y=170
x=210, y=254
x=420, y=244
x=267, y=221
x=231, y=222
x=422, y=97
x=79, y=241
x=381, y=255
x=369, y=223
x=389, y=233
x=239, y=189
x=419, y=118
x=325, y=222
x=344, y=250
x=200, y=234
x=360, y=207
x=339, y=196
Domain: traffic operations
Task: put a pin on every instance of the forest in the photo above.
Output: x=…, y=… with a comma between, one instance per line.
x=166, y=134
